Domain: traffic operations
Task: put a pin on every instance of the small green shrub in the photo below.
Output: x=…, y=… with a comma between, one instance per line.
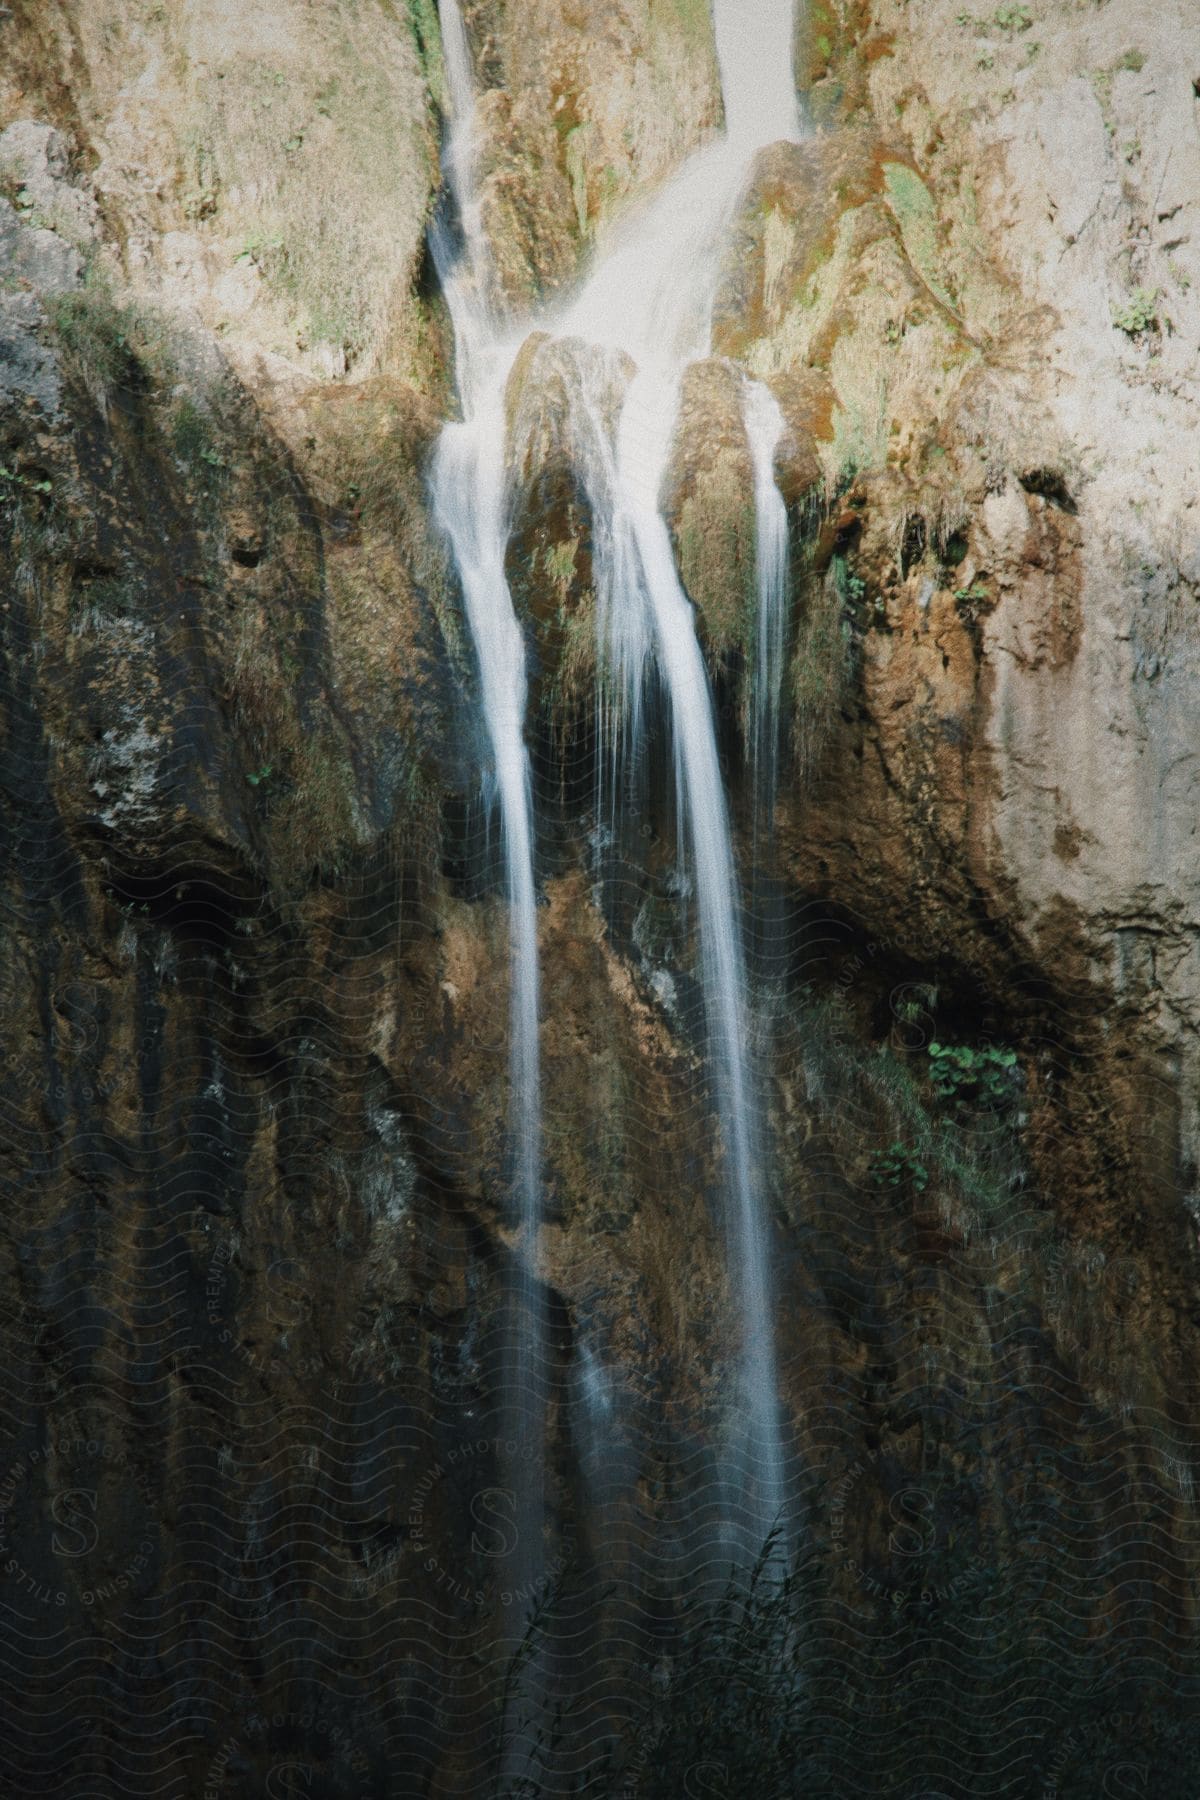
x=987, y=1076
x=29, y=484
x=96, y=334
x=1013, y=18
x=1139, y=312
x=970, y=603
x=898, y=1166
x=1134, y=61
x=976, y=1171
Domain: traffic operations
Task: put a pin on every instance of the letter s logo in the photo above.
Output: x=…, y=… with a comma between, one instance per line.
x=1125, y=1781
x=75, y=1511
x=707, y=1781
x=495, y=1510
x=287, y=1779
x=913, y=1531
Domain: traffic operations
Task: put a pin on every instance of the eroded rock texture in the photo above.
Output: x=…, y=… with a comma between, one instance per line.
x=255, y=954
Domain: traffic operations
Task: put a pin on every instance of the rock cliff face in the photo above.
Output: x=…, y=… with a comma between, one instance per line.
x=254, y=957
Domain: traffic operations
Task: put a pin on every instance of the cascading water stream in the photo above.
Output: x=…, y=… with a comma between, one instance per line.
x=471, y=505
x=765, y=430
x=640, y=319
x=651, y=300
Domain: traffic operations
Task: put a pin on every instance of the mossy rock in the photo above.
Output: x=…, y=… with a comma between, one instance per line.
x=709, y=502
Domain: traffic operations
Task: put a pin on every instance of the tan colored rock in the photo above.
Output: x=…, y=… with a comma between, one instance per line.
x=265, y=167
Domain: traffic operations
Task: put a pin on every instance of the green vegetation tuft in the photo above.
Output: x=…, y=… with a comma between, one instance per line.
x=970, y=1154
x=575, y=152
x=691, y=18
x=423, y=20
x=1012, y=18
x=560, y=563
x=987, y=1076
x=1139, y=313
x=100, y=338
x=898, y=1167
x=16, y=481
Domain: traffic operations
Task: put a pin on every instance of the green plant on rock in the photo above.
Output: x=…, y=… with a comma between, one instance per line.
x=192, y=439
x=95, y=334
x=977, y=1173
x=30, y=484
x=1139, y=313
x=898, y=1166
x=987, y=1076
x=261, y=248
x=1013, y=18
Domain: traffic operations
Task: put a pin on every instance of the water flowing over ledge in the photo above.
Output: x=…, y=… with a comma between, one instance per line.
x=640, y=318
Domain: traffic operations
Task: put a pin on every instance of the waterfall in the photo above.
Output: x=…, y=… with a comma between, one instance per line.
x=471, y=506
x=640, y=318
x=765, y=429
x=651, y=301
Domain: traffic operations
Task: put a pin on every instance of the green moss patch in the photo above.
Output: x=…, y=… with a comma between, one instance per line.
x=915, y=213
